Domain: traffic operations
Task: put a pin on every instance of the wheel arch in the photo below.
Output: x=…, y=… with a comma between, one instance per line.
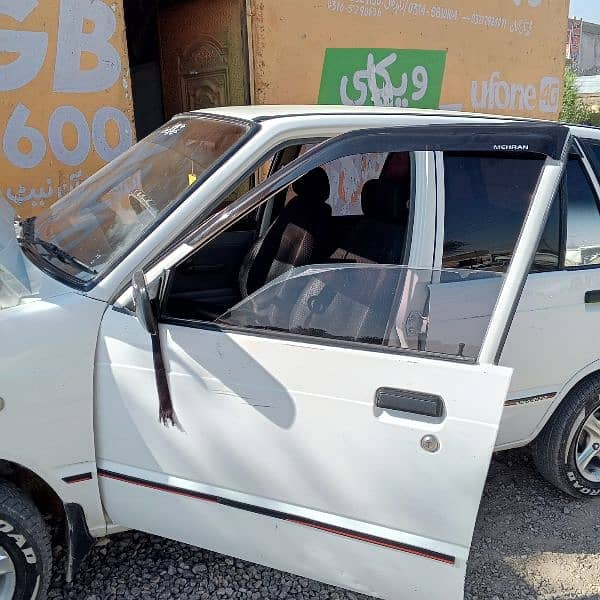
x=43, y=495
x=588, y=372
x=69, y=518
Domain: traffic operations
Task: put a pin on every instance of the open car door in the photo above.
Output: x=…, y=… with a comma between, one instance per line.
x=329, y=441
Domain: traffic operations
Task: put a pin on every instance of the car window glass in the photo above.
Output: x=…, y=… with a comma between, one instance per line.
x=592, y=148
x=380, y=305
x=583, y=218
x=487, y=198
x=98, y=222
x=344, y=277
x=348, y=175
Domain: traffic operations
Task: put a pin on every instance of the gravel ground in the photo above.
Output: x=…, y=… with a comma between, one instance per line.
x=530, y=542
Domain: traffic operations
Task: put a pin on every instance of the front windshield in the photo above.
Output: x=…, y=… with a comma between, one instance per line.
x=99, y=221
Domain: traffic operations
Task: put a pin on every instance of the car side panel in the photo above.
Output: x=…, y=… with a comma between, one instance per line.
x=522, y=421
x=550, y=341
x=46, y=382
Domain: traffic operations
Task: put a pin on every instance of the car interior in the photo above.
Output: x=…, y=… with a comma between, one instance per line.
x=301, y=226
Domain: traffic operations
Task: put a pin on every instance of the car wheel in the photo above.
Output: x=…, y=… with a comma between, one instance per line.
x=25, y=552
x=567, y=451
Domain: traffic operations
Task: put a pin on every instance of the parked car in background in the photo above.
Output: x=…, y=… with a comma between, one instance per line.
x=288, y=334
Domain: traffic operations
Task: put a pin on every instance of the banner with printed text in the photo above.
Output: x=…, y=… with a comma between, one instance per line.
x=382, y=77
x=497, y=56
x=65, y=103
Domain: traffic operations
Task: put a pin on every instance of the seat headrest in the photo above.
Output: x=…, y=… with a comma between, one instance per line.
x=314, y=185
x=386, y=200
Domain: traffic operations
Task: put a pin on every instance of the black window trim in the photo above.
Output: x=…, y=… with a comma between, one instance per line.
x=562, y=248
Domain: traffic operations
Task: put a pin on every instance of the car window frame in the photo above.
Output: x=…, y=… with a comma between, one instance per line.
x=580, y=149
x=546, y=139
x=549, y=140
x=591, y=165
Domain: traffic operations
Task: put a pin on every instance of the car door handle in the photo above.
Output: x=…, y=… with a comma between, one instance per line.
x=592, y=297
x=416, y=403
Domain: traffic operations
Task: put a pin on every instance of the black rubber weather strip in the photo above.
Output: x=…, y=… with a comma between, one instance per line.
x=78, y=478
x=530, y=399
x=297, y=520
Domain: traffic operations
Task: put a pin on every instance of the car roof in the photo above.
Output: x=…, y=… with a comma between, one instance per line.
x=258, y=113
x=267, y=112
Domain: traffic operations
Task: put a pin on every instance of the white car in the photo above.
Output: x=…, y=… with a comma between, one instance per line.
x=287, y=334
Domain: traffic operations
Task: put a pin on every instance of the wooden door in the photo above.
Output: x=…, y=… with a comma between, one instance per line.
x=203, y=54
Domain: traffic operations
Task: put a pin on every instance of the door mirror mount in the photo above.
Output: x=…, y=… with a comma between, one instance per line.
x=144, y=310
x=146, y=315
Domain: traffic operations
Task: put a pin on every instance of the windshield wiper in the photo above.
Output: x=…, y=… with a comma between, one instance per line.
x=56, y=252
x=27, y=237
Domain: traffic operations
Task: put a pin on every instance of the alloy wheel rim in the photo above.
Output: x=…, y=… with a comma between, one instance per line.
x=7, y=576
x=587, y=451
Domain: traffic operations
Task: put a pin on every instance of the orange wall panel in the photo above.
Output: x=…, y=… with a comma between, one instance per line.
x=65, y=101
x=499, y=56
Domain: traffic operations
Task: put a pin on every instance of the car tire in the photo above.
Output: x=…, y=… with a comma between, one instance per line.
x=559, y=450
x=25, y=550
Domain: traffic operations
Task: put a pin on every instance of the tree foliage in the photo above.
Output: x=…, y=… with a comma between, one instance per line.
x=574, y=109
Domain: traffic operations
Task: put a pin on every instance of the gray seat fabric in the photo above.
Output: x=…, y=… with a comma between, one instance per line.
x=296, y=238
x=381, y=235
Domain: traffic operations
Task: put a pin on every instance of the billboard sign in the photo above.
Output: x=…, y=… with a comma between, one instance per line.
x=382, y=77
x=65, y=102
x=498, y=56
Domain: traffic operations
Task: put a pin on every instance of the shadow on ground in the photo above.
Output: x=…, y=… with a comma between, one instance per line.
x=532, y=541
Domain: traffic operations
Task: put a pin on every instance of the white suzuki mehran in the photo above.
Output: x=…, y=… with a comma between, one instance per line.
x=278, y=333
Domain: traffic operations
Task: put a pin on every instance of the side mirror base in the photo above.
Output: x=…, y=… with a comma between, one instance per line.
x=143, y=305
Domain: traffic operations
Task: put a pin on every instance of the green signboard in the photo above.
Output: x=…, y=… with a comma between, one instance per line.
x=383, y=77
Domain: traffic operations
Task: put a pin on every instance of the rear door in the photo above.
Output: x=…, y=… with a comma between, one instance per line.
x=356, y=460
x=486, y=197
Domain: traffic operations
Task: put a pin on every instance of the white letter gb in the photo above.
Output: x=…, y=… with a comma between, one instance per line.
x=73, y=41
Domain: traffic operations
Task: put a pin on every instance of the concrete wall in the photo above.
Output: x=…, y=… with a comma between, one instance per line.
x=592, y=100
x=589, y=53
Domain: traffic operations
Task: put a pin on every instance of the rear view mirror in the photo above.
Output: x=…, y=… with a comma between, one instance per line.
x=143, y=306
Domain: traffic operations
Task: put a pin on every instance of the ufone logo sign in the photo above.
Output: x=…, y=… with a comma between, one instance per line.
x=498, y=94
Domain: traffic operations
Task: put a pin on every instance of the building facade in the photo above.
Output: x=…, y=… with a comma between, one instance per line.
x=583, y=47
